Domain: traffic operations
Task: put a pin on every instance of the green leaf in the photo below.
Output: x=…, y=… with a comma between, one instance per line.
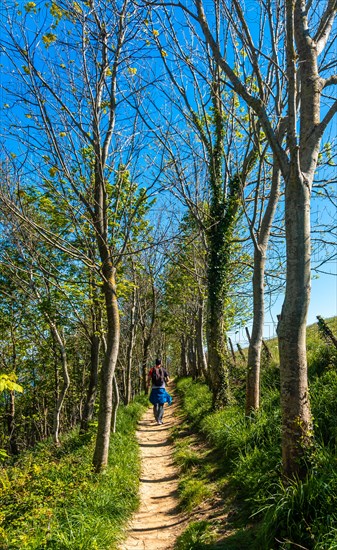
x=8, y=382
x=30, y=7
x=48, y=39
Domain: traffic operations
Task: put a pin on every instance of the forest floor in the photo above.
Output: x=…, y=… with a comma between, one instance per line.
x=158, y=522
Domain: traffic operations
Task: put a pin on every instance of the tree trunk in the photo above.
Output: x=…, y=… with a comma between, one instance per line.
x=232, y=351
x=115, y=404
x=145, y=363
x=101, y=453
x=217, y=353
x=243, y=357
x=260, y=248
x=326, y=332
x=147, y=330
x=192, y=357
x=220, y=241
x=88, y=409
x=57, y=342
x=222, y=218
x=45, y=418
x=132, y=334
x=255, y=344
x=302, y=73
x=200, y=339
x=65, y=386
x=13, y=446
x=296, y=417
x=183, y=356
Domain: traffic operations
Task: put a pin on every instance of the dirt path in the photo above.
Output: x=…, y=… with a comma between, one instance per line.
x=157, y=523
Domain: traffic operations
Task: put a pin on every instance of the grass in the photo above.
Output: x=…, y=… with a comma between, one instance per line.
x=199, y=535
x=194, y=485
x=51, y=498
x=266, y=513
x=193, y=492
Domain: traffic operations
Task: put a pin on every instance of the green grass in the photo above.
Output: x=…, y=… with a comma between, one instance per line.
x=194, y=485
x=186, y=457
x=198, y=536
x=51, y=498
x=266, y=513
x=193, y=492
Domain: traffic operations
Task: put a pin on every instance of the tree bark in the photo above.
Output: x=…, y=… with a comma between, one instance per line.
x=260, y=249
x=147, y=331
x=132, y=335
x=232, y=351
x=145, y=363
x=200, y=339
x=115, y=404
x=66, y=382
x=88, y=409
x=192, y=357
x=183, y=356
x=13, y=446
x=255, y=345
x=326, y=332
x=296, y=417
x=101, y=453
x=57, y=342
x=222, y=216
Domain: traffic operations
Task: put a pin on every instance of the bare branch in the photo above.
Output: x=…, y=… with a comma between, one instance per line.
x=325, y=26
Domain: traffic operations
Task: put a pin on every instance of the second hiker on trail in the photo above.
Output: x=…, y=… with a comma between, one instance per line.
x=159, y=377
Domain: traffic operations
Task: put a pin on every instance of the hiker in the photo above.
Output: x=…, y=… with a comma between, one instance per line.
x=159, y=377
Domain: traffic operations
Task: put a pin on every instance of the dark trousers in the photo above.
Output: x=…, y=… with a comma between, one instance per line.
x=158, y=411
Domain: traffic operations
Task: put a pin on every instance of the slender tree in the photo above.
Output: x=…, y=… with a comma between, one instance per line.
x=260, y=237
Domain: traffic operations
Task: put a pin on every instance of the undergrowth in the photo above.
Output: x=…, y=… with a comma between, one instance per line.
x=267, y=513
x=51, y=498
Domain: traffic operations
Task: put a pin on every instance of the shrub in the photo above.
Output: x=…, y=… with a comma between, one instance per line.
x=51, y=498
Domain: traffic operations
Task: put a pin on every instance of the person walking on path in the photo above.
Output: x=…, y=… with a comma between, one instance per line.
x=159, y=520
x=159, y=377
